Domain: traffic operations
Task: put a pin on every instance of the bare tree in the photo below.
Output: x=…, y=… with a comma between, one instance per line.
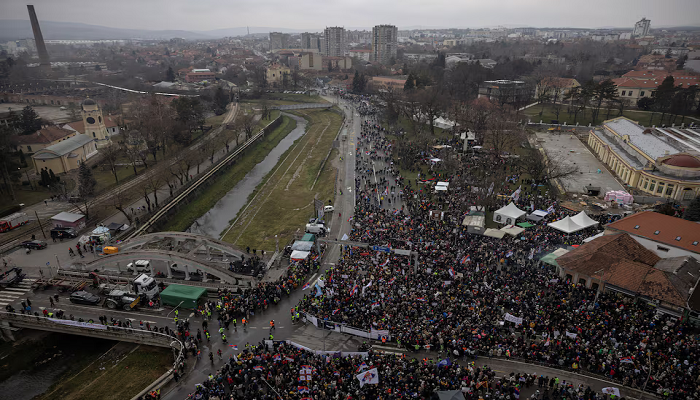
x=503, y=133
x=543, y=168
x=431, y=105
x=247, y=123
x=110, y=155
x=153, y=183
x=120, y=200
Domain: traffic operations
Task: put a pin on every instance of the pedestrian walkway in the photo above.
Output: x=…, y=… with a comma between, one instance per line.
x=15, y=293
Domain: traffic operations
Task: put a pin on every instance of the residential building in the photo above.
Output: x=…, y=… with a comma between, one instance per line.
x=665, y=235
x=635, y=85
x=556, y=87
x=618, y=263
x=641, y=28
x=94, y=124
x=393, y=82
x=312, y=61
x=65, y=155
x=278, y=40
x=335, y=41
x=418, y=57
x=337, y=62
x=193, y=77
x=506, y=92
x=671, y=51
x=384, y=43
x=649, y=62
x=361, y=54
x=662, y=162
x=275, y=74
x=310, y=41
x=44, y=137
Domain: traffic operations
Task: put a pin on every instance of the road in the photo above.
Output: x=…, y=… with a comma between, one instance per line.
x=258, y=330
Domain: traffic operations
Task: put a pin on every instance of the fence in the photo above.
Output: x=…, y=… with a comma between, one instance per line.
x=338, y=327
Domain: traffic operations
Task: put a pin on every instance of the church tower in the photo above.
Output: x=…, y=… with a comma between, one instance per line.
x=94, y=123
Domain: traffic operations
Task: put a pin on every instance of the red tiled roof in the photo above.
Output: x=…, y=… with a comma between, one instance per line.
x=43, y=136
x=636, y=83
x=669, y=228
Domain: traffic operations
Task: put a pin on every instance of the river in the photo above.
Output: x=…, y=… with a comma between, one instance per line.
x=218, y=218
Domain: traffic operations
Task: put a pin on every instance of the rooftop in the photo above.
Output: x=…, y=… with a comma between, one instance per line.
x=62, y=148
x=661, y=228
x=45, y=135
x=651, y=145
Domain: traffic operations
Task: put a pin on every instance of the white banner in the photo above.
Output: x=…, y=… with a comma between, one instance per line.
x=571, y=335
x=377, y=334
x=78, y=324
x=312, y=319
x=353, y=331
x=368, y=377
x=513, y=318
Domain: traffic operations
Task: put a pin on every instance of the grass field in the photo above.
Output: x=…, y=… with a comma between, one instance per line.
x=186, y=216
x=115, y=376
x=283, y=202
x=642, y=117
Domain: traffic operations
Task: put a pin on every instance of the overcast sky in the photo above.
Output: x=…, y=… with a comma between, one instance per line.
x=205, y=15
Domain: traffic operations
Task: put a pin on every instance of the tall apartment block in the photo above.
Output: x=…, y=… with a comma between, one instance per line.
x=278, y=40
x=309, y=41
x=384, y=43
x=641, y=28
x=335, y=45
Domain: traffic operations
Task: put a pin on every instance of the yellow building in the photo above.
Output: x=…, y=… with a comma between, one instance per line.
x=275, y=73
x=65, y=155
x=41, y=139
x=658, y=162
x=312, y=61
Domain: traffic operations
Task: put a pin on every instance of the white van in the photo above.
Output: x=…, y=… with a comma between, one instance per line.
x=141, y=266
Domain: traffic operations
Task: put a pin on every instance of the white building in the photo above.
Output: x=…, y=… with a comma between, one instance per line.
x=335, y=41
x=641, y=28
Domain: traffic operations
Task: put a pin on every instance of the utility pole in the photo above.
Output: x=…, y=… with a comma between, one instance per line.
x=39, y=221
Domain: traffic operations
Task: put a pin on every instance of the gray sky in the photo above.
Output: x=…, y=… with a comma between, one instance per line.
x=205, y=15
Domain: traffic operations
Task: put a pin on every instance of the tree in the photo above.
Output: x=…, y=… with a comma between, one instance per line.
x=110, y=153
x=220, y=101
x=86, y=186
x=431, y=105
x=170, y=75
x=120, y=200
x=356, y=82
x=98, y=68
x=30, y=121
x=646, y=103
x=692, y=212
x=409, y=85
x=247, y=124
x=285, y=80
x=665, y=93
x=605, y=91
x=330, y=66
x=190, y=114
x=542, y=168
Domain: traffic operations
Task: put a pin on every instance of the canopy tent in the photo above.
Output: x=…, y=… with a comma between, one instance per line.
x=440, y=188
x=525, y=224
x=184, y=296
x=566, y=225
x=494, y=233
x=512, y=230
x=475, y=223
x=551, y=258
x=302, y=245
x=450, y=395
x=508, y=214
x=299, y=255
x=584, y=220
x=445, y=184
x=540, y=213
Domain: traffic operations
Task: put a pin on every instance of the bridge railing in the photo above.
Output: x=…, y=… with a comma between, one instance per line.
x=96, y=330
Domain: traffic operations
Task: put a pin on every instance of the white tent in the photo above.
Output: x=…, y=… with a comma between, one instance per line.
x=566, y=225
x=512, y=230
x=494, y=233
x=299, y=255
x=508, y=214
x=584, y=220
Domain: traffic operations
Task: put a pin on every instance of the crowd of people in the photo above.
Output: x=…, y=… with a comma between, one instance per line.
x=280, y=370
x=468, y=296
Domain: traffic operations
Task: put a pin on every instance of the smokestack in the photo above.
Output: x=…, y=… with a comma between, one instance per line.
x=38, y=37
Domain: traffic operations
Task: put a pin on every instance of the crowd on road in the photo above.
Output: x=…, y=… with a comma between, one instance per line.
x=280, y=370
x=471, y=296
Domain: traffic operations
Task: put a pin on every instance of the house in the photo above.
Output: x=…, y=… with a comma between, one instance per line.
x=556, y=88
x=44, y=137
x=338, y=62
x=65, y=155
x=361, y=54
x=275, y=74
x=618, y=263
x=111, y=126
x=193, y=77
x=659, y=62
x=637, y=84
x=395, y=82
x=311, y=61
x=665, y=235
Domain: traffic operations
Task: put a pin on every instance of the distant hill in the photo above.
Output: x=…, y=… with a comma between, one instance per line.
x=12, y=29
x=243, y=30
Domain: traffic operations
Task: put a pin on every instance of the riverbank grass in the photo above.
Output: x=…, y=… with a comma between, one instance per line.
x=283, y=202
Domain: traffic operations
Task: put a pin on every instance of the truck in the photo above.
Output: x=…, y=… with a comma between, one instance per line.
x=119, y=299
x=146, y=287
x=11, y=277
x=13, y=221
x=317, y=226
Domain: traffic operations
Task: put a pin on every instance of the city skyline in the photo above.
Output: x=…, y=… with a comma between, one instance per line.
x=440, y=14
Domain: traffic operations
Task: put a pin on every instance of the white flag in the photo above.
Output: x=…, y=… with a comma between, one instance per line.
x=368, y=377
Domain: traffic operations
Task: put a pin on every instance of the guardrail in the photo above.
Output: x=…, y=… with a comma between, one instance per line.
x=302, y=106
x=199, y=182
x=93, y=330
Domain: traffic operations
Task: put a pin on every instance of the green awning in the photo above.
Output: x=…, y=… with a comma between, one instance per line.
x=174, y=295
x=525, y=224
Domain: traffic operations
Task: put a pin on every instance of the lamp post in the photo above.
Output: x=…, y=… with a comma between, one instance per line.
x=600, y=271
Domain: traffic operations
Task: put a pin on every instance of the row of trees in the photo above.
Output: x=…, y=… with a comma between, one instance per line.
x=671, y=100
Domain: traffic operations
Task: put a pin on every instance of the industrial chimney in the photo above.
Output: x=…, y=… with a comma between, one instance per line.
x=38, y=38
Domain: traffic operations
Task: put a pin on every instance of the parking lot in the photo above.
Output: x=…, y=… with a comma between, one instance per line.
x=50, y=113
x=568, y=150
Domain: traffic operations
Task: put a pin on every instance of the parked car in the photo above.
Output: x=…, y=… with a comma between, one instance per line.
x=34, y=244
x=328, y=209
x=83, y=297
x=62, y=232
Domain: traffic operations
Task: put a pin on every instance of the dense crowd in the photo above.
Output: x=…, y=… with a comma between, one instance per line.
x=470, y=295
x=282, y=371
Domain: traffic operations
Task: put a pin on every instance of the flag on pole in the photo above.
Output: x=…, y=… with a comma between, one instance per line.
x=375, y=304
x=361, y=367
x=452, y=272
x=465, y=259
x=303, y=389
x=550, y=209
x=628, y=360
x=235, y=346
x=369, y=377
x=277, y=357
x=337, y=310
x=353, y=291
x=258, y=368
x=422, y=299
x=308, y=285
